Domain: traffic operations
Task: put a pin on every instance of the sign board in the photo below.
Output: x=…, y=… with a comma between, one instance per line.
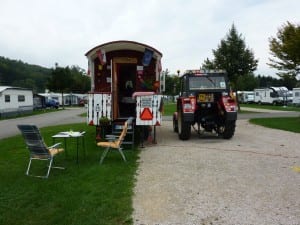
x=148, y=108
x=146, y=101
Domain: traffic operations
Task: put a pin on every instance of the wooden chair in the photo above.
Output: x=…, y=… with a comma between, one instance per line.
x=114, y=142
x=37, y=147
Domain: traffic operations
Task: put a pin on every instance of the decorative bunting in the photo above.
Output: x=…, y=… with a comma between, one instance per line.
x=147, y=57
x=101, y=56
x=159, y=67
x=140, y=70
x=88, y=70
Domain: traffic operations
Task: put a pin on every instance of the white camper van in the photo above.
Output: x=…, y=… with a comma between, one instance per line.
x=290, y=97
x=271, y=95
x=246, y=96
x=296, y=96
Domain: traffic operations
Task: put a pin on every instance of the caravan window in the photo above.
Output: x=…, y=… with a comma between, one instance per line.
x=21, y=98
x=274, y=95
x=297, y=94
x=7, y=98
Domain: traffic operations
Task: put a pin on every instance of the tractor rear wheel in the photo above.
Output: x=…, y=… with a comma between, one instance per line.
x=227, y=129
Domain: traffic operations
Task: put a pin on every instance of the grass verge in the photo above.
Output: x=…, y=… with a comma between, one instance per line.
x=169, y=108
x=272, y=107
x=33, y=113
x=85, y=193
x=283, y=123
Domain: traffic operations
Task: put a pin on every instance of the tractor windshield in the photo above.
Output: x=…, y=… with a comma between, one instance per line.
x=207, y=82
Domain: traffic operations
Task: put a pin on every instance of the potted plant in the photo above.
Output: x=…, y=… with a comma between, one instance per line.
x=103, y=128
x=104, y=121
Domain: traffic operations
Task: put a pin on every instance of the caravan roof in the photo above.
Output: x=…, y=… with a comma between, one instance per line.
x=3, y=88
x=280, y=89
x=123, y=45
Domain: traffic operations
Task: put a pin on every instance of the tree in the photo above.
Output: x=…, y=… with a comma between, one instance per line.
x=285, y=51
x=26, y=83
x=248, y=82
x=268, y=81
x=232, y=56
x=60, y=80
x=172, y=84
x=20, y=74
x=81, y=83
x=68, y=79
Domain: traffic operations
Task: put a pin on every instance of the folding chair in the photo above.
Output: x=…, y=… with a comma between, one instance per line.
x=114, y=142
x=37, y=147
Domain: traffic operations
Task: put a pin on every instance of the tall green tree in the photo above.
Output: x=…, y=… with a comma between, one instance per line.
x=81, y=83
x=285, y=51
x=248, y=82
x=172, y=84
x=60, y=80
x=233, y=56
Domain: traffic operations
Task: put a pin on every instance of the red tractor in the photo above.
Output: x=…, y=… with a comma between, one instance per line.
x=206, y=104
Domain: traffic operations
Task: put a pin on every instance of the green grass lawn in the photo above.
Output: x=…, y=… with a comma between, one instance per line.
x=87, y=193
x=34, y=112
x=283, y=123
x=169, y=108
x=272, y=107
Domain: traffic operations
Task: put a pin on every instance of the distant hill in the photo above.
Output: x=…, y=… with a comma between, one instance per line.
x=21, y=74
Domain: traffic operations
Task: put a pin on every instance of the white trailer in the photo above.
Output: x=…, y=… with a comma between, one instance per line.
x=246, y=96
x=15, y=100
x=296, y=96
x=271, y=95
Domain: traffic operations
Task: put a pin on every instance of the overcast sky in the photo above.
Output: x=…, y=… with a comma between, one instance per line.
x=43, y=32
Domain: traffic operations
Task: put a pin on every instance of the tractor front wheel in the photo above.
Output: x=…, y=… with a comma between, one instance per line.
x=184, y=128
x=175, y=124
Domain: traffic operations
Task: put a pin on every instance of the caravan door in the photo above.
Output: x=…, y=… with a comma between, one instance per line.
x=123, y=85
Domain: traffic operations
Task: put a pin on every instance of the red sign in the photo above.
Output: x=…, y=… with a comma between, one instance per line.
x=146, y=114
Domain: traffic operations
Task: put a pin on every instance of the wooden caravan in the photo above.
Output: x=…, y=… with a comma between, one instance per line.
x=125, y=79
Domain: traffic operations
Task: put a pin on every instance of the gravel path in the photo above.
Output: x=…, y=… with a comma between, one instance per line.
x=251, y=179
